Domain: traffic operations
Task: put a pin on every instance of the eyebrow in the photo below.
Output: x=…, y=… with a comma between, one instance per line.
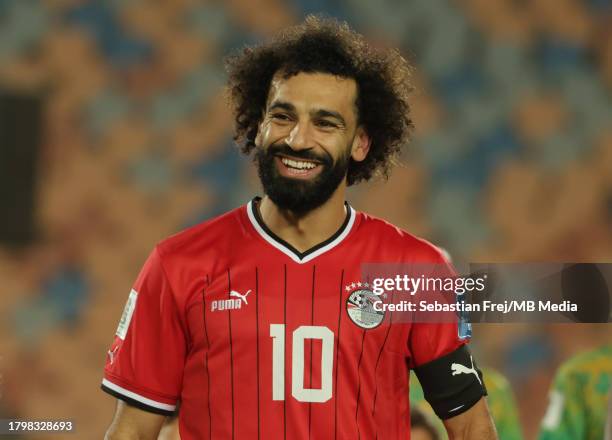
x=282, y=105
x=321, y=113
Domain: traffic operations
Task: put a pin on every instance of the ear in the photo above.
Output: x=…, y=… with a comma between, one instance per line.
x=361, y=145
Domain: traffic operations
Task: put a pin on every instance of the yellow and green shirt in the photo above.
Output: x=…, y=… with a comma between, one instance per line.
x=579, y=398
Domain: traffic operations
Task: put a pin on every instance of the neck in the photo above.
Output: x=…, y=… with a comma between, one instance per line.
x=307, y=230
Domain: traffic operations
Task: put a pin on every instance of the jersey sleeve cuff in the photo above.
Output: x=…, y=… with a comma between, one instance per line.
x=137, y=400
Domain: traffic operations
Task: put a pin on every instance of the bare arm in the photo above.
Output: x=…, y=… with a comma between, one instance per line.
x=131, y=423
x=475, y=423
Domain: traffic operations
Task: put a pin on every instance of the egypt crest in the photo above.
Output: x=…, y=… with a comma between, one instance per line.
x=360, y=306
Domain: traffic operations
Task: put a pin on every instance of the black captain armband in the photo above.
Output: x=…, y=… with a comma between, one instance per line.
x=452, y=384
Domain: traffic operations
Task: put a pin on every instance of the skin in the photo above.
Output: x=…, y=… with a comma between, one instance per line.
x=312, y=111
x=475, y=423
x=420, y=434
x=131, y=423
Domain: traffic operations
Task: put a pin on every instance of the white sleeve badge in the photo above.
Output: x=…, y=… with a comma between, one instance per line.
x=126, y=316
x=552, y=418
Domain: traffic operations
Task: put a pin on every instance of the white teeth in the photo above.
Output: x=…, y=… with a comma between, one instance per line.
x=298, y=164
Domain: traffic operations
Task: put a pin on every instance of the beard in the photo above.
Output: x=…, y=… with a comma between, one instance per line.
x=297, y=195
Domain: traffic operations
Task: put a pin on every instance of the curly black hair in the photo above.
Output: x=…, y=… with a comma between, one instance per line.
x=324, y=45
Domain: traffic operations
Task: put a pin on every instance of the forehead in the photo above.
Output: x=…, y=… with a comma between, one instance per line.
x=308, y=91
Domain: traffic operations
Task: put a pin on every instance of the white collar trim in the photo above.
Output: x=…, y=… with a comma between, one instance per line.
x=291, y=253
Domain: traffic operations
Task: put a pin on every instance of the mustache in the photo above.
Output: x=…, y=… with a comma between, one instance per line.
x=284, y=149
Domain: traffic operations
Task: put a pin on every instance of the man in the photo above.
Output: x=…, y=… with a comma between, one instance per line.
x=579, y=398
x=252, y=319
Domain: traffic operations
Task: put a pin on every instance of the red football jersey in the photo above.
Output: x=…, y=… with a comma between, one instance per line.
x=256, y=340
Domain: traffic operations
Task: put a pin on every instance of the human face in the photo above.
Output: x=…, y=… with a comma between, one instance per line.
x=306, y=139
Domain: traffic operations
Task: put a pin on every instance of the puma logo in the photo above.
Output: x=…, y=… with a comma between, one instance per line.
x=234, y=302
x=462, y=369
x=242, y=297
x=112, y=353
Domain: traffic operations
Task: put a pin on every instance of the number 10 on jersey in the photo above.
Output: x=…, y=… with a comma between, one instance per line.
x=300, y=334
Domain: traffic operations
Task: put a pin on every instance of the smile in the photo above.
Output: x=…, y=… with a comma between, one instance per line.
x=298, y=164
x=297, y=168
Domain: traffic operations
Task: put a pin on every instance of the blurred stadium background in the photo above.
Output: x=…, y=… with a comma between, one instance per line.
x=114, y=133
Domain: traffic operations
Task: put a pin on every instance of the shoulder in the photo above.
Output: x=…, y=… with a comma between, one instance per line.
x=592, y=361
x=214, y=234
x=412, y=246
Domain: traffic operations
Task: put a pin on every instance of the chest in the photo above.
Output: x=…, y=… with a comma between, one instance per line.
x=267, y=304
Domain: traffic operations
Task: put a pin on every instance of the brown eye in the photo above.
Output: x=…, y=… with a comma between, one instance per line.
x=280, y=117
x=326, y=124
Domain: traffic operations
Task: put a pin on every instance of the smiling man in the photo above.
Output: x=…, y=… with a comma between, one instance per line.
x=258, y=322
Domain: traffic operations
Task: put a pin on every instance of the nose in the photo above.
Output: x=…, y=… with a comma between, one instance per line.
x=299, y=137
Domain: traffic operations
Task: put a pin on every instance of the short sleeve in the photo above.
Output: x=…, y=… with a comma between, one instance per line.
x=430, y=341
x=435, y=335
x=144, y=365
x=451, y=380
